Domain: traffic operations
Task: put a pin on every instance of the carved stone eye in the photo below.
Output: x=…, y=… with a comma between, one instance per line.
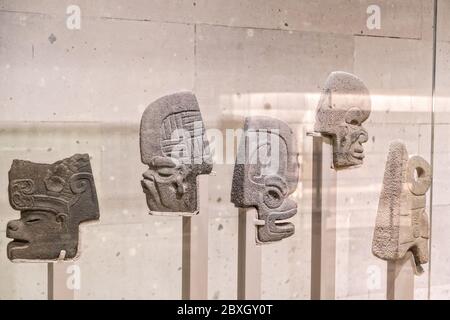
x=165, y=172
x=33, y=220
x=273, y=198
x=354, y=116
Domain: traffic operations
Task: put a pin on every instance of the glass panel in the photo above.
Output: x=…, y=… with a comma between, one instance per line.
x=76, y=77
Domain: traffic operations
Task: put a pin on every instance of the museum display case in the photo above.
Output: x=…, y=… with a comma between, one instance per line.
x=349, y=96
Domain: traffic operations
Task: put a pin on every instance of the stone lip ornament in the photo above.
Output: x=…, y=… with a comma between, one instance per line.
x=344, y=105
x=402, y=223
x=175, y=148
x=265, y=174
x=53, y=199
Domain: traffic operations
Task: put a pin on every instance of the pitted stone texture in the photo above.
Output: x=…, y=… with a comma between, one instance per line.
x=402, y=223
x=174, y=146
x=53, y=199
x=343, y=107
x=265, y=183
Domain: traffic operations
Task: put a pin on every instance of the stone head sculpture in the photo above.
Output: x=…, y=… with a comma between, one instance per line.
x=343, y=107
x=53, y=199
x=265, y=174
x=176, y=150
x=402, y=222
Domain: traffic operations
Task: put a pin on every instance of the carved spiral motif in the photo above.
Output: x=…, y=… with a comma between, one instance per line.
x=80, y=182
x=21, y=193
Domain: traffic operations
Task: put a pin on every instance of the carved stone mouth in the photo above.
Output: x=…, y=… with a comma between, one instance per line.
x=17, y=240
x=283, y=215
x=18, y=243
x=282, y=226
x=358, y=151
x=358, y=155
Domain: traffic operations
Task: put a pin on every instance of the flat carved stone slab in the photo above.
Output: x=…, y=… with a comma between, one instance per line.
x=175, y=148
x=265, y=174
x=53, y=199
x=402, y=222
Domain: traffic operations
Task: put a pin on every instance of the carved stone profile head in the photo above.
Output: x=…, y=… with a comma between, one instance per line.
x=265, y=174
x=176, y=150
x=53, y=199
x=402, y=222
x=343, y=107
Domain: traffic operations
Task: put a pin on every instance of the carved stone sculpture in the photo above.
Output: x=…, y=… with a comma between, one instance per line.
x=265, y=174
x=343, y=107
x=53, y=199
x=402, y=222
x=176, y=150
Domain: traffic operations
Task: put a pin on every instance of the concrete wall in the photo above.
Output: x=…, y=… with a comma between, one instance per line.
x=64, y=91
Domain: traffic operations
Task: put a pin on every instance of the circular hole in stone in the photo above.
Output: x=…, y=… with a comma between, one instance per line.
x=418, y=173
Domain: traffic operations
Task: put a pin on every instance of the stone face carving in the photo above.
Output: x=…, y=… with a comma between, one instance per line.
x=176, y=150
x=343, y=107
x=402, y=222
x=265, y=174
x=53, y=199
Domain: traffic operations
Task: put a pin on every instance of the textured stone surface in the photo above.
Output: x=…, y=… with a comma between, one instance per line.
x=443, y=22
x=53, y=200
x=402, y=223
x=441, y=103
x=283, y=71
x=343, y=107
x=399, y=93
x=265, y=174
x=175, y=147
x=106, y=71
x=142, y=259
x=398, y=18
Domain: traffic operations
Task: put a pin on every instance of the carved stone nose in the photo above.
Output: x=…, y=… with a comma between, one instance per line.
x=13, y=226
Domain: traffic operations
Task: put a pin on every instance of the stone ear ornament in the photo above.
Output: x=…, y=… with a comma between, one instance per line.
x=265, y=175
x=174, y=146
x=343, y=107
x=53, y=200
x=402, y=222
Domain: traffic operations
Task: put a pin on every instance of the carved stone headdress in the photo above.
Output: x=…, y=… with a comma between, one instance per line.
x=34, y=185
x=172, y=126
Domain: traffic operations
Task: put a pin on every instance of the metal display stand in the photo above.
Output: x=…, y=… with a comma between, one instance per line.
x=57, y=281
x=323, y=242
x=400, y=278
x=195, y=248
x=249, y=257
